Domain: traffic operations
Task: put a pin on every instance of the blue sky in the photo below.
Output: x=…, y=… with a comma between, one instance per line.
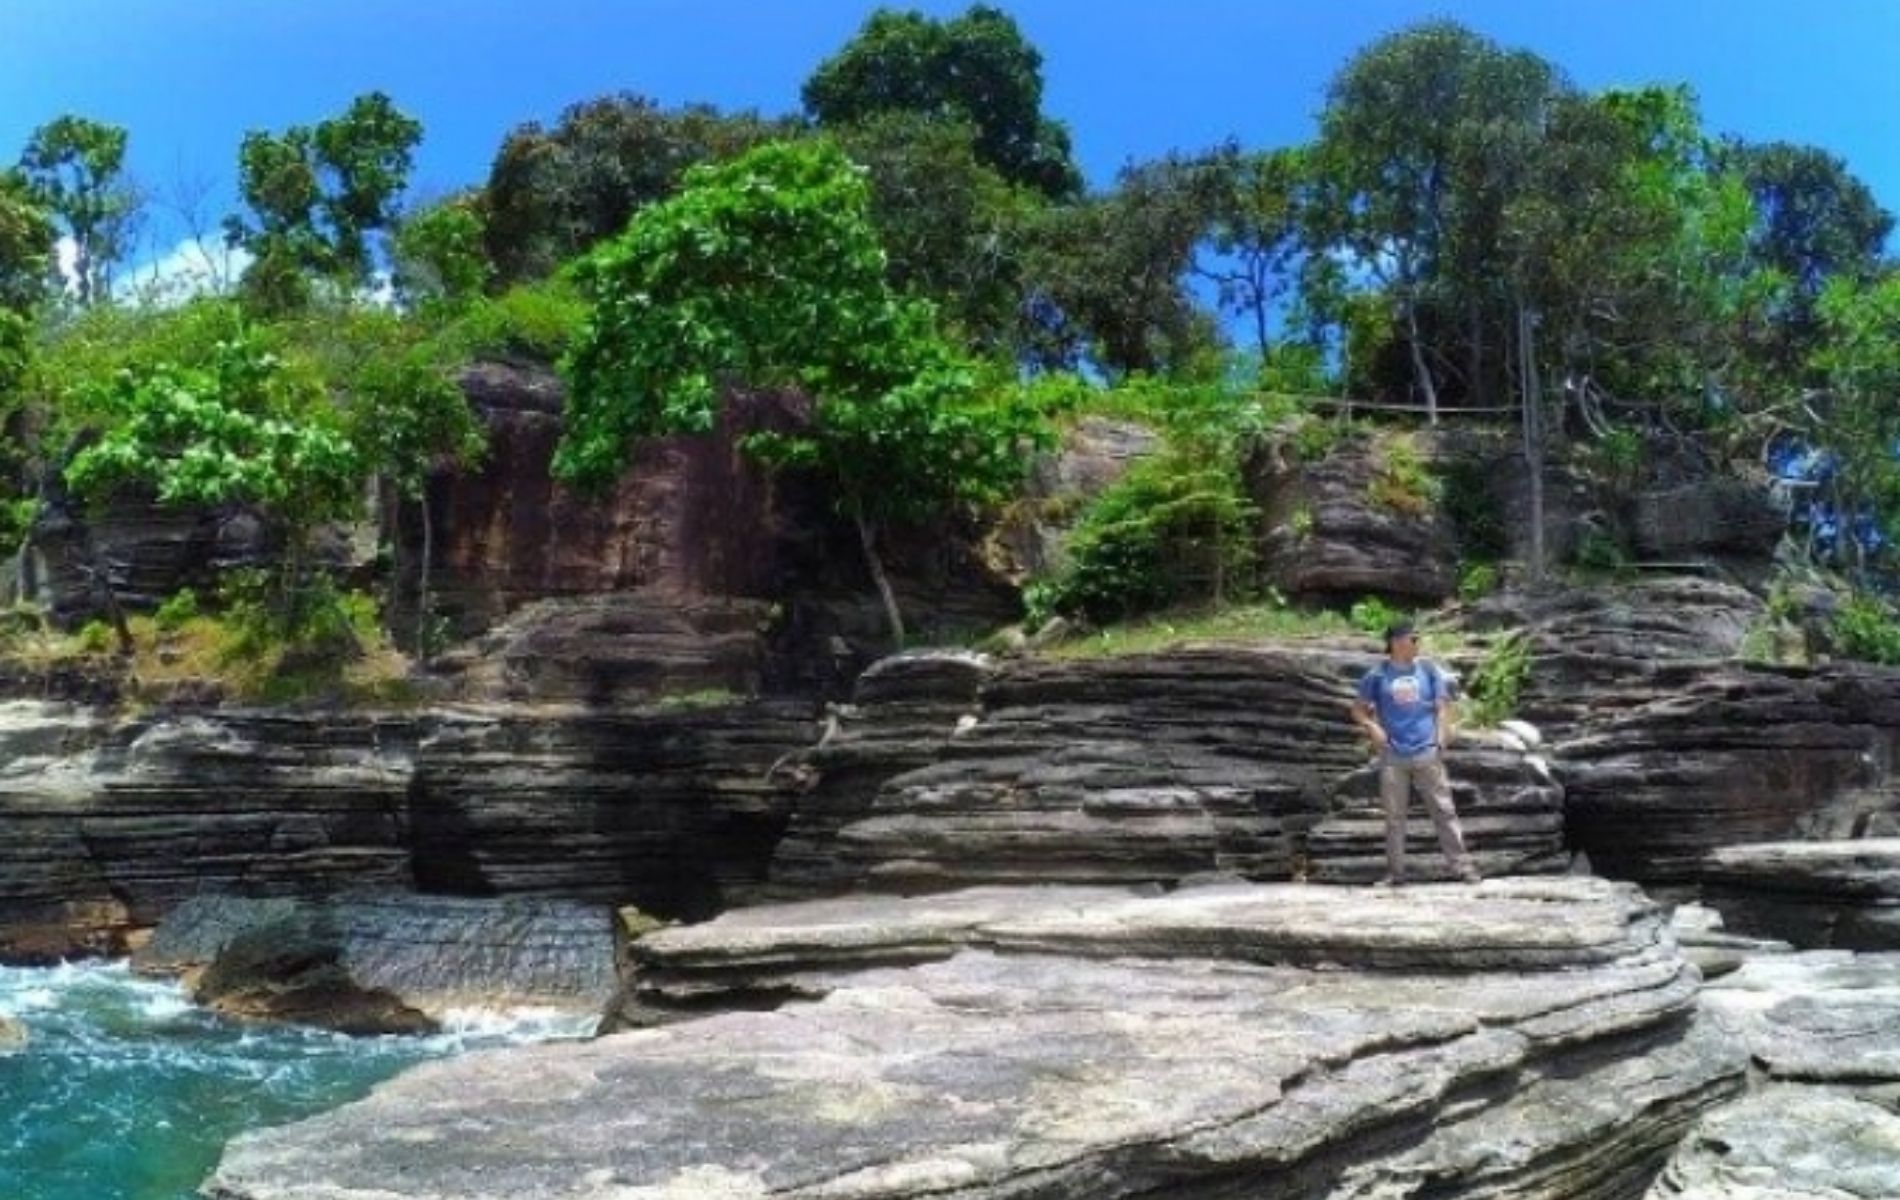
x=1133, y=78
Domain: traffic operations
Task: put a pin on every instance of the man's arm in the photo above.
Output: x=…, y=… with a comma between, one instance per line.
x=1368, y=722
x=1447, y=723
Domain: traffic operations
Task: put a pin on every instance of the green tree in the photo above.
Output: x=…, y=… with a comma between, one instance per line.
x=407, y=418
x=976, y=69
x=1418, y=145
x=76, y=166
x=1857, y=415
x=1814, y=221
x=766, y=272
x=245, y=427
x=553, y=193
x=1259, y=232
x=441, y=263
x=26, y=258
x=1108, y=276
x=318, y=196
x=954, y=230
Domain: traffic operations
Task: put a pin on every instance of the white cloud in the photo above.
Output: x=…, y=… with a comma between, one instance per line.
x=66, y=254
x=188, y=269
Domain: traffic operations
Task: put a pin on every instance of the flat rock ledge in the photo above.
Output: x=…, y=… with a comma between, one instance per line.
x=1817, y=895
x=1823, y=1031
x=1527, y=1039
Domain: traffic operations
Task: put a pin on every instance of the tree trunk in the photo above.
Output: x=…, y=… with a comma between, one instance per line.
x=422, y=587
x=1421, y=373
x=1475, y=352
x=102, y=584
x=876, y=565
x=1533, y=436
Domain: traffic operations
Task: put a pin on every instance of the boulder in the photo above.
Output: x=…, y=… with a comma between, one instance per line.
x=12, y=1037
x=1329, y=538
x=1817, y=895
x=1219, y=1041
x=1717, y=517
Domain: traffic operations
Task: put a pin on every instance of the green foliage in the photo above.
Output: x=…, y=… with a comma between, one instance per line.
x=955, y=231
x=976, y=69
x=1865, y=629
x=406, y=417
x=441, y=256
x=27, y=234
x=179, y=609
x=94, y=637
x=317, y=196
x=1175, y=528
x=1497, y=686
x=555, y=193
x=1600, y=552
x=1315, y=438
x=76, y=168
x=536, y=321
x=1374, y=616
x=766, y=273
x=1856, y=417
x=1477, y=580
x=1105, y=275
x=1270, y=619
x=1403, y=482
x=1617, y=456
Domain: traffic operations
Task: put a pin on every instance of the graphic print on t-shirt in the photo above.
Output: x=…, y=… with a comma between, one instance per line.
x=1405, y=690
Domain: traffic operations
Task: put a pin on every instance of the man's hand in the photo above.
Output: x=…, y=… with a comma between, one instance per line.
x=1375, y=734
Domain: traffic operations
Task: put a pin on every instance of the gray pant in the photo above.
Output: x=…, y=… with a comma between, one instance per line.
x=1426, y=772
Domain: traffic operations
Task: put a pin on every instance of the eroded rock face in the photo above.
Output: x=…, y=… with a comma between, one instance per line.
x=384, y=964
x=1031, y=536
x=1818, y=895
x=1126, y=770
x=1168, y=1046
x=1328, y=538
x=110, y=825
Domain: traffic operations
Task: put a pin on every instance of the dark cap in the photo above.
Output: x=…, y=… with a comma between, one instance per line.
x=1397, y=630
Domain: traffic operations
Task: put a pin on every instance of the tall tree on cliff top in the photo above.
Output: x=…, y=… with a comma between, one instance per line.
x=26, y=269
x=1407, y=139
x=318, y=196
x=76, y=167
x=553, y=193
x=1814, y=222
x=977, y=68
x=766, y=272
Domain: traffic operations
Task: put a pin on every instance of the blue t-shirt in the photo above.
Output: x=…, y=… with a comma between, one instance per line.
x=1405, y=700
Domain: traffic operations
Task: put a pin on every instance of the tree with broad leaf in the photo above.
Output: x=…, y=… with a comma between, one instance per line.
x=317, y=196
x=766, y=272
x=976, y=69
x=76, y=166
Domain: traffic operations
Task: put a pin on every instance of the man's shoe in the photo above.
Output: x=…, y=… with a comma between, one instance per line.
x=1390, y=881
x=1470, y=875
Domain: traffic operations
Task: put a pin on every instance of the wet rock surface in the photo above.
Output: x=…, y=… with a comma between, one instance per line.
x=384, y=963
x=1189, y=1045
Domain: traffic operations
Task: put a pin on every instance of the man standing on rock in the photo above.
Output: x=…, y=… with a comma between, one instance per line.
x=1405, y=708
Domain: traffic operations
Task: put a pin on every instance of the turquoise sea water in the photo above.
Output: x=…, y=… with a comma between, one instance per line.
x=127, y=1092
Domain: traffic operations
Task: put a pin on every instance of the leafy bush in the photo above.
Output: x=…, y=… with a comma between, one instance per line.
x=537, y=321
x=1404, y=482
x=1175, y=527
x=1374, y=616
x=94, y=637
x=178, y=609
x=1618, y=455
x=1477, y=580
x=1497, y=685
x=1864, y=628
x=1316, y=437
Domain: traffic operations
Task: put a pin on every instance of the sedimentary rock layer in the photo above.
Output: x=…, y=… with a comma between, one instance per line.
x=1173, y=1046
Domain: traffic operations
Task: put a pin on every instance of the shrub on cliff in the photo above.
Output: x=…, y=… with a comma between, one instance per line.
x=767, y=272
